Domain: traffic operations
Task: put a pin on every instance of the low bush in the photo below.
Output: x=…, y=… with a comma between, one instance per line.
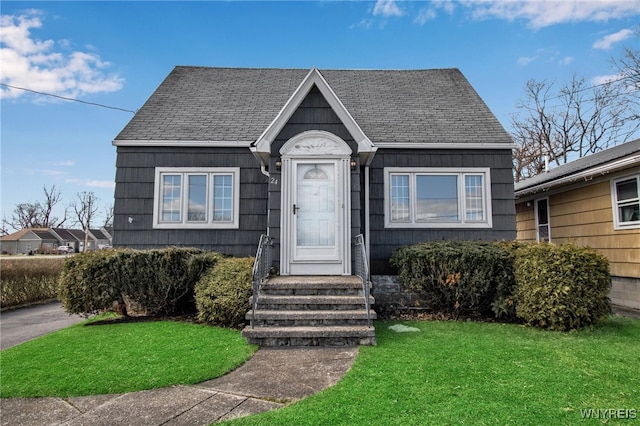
x=148, y=282
x=459, y=278
x=561, y=287
x=29, y=280
x=222, y=294
x=87, y=285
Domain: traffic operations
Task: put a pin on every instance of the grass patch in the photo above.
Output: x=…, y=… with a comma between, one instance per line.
x=478, y=374
x=120, y=357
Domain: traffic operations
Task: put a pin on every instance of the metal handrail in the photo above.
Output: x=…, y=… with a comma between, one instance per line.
x=261, y=269
x=362, y=271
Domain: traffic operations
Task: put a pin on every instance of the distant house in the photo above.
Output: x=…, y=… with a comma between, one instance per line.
x=47, y=240
x=593, y=201
x=12, y=244
x=218, y=156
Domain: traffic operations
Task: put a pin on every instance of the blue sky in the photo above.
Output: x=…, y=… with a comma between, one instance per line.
x=116, y=53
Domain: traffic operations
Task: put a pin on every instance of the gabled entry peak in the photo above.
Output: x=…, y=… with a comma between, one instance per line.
x=262, y=146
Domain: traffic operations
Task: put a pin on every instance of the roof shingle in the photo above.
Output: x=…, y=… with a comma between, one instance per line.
x=238, y=104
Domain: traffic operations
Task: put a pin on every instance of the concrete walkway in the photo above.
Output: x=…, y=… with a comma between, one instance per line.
x=272, y=378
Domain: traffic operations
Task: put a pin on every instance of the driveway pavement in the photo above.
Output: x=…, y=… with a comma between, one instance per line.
x=19, y=325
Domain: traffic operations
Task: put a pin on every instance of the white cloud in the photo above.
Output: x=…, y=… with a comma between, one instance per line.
x=34, y=64
x=364, y=23
x=387, y=8
x=604, y=79
x=109, y=184
x=566, y=60
x=65, y=163
x=425, y=15
x=523, y=61
x=544, y=13
x=606, y=42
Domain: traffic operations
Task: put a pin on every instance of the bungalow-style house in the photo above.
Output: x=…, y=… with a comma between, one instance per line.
x=47, y=240
x=312, y=158
x=593, y=201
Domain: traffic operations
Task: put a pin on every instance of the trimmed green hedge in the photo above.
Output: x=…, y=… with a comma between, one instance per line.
x=149, y=282
x=459, y=278
x=222, y=294
x=561, y=287
x=558, y=287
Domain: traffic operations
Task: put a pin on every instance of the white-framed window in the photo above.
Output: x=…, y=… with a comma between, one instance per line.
x=196, y=197
x=437, y=198
x=543, y=223
x=625, y=193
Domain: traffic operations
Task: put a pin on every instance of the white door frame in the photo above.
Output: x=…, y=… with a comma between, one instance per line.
x=303, y=149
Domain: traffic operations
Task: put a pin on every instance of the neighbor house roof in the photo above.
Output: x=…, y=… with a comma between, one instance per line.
x=17, y=235
x=203, y=104
x=603, y=162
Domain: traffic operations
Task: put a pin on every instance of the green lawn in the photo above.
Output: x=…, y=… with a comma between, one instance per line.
x=117, y=358
x=479, y=374
x=447, y=373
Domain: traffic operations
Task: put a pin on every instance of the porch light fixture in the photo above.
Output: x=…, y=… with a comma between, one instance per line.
x=353, y=164
x=278, y=164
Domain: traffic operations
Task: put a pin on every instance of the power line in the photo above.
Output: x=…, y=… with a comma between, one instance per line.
x=68, y=99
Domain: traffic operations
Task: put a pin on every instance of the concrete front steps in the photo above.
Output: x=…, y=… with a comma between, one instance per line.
x=311, y=311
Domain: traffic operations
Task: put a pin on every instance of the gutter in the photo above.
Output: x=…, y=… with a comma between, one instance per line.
x=585, y=175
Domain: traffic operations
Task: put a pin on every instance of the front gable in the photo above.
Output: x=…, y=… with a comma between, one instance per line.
x=262, y=148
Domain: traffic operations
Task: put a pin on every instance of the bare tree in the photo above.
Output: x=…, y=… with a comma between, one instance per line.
x=37, y=214
x=85, y=207
x=628, y=65
x=573, y=122
x=108, y=216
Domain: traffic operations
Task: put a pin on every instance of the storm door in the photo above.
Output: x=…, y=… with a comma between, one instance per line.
x=315, y=207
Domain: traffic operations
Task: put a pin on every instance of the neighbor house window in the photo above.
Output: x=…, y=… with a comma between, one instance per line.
x=196, y=198
x=543, y=228
x=626, y=202
x=437, y=198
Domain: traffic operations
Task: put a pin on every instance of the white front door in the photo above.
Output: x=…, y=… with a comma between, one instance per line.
x=315, y=206
x=315, y=209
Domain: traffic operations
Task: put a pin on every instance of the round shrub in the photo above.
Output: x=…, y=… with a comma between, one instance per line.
x=469, y=278
x=86, y=285
x=561, y=287
x=222, y=294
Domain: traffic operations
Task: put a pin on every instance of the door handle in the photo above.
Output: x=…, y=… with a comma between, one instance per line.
x=295, y=209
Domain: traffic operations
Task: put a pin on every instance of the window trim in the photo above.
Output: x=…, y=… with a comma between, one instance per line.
x=618, y=225
x=184, y=172
x=460, y=173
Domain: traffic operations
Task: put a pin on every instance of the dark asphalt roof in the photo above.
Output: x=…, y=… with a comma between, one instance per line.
x=238, y=104
x=581, y=164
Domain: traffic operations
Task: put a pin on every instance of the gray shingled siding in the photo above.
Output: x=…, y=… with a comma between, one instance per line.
x=384, y=241
x=135, y=176
x=314, y=113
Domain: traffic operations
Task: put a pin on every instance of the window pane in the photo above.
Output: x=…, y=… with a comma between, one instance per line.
x=437, y=198
x=474, y=198
x=629, y=212
x=197, y=209
x=222, y=198
x=171, y=198
x=543, y=214
x=400, y=198
x=627, y=190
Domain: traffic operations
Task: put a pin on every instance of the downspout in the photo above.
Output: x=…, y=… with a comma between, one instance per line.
x=263, y=170
x=366, y=217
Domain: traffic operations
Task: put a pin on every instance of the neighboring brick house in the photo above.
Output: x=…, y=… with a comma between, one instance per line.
x=593, y=201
